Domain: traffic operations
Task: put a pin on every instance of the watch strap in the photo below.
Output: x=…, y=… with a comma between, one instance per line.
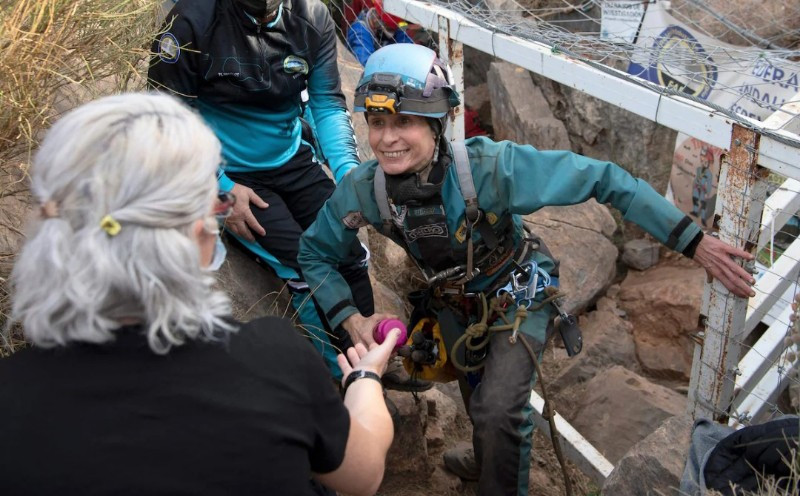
x=360, y=374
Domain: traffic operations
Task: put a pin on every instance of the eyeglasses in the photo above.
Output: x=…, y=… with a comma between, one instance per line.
x=224, y=205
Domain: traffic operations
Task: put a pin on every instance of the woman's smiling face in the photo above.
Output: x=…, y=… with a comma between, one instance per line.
x=402, y=143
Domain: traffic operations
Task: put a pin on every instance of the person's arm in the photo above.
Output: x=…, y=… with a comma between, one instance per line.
x=326, y=243
x=175, y=64
x=371, y=428
x=359, y=39
x=334, y=128
x=533, y=179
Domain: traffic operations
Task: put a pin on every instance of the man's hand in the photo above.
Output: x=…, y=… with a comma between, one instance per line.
x=360, y=328
x=717, y=258
x=242, y=220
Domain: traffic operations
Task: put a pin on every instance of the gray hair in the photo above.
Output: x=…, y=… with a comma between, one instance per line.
x=150, y=163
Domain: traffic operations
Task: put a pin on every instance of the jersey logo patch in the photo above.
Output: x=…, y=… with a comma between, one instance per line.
x=427, y=231
x=295, y=65
x=354, y=220
x=169, y=50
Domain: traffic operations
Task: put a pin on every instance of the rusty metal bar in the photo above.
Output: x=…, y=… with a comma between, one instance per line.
x=741, y=194
x=452, y=53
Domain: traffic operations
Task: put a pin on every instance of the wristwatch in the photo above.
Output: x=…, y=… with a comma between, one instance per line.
x=360, y=374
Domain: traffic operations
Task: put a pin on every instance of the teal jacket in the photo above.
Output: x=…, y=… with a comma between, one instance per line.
x=509, y=179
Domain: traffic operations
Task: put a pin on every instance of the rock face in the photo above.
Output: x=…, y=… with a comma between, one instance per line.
x=578, y=236
x=605, y=132
x=421, y=432
x=663, y=304
x=477, y=97
x=654, y=465
x=387, y=301
x=391, y=265
x=520, y=112
x=409, y=450
x=620, y=408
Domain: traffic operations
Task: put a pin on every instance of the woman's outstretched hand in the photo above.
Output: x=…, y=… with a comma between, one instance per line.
x=372, y=360
x=717, y=257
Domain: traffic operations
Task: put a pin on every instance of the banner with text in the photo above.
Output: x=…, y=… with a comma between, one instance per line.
x=674, y=55
x=620, y=20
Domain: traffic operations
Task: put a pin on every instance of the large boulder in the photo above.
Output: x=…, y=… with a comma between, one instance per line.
x=654, y=465
x=607, y=341
x=421, y=431
x=408, y=453
x=620, y=408
x=663, y=304
x=520, y=112
x=640, y=254
x=578, y=236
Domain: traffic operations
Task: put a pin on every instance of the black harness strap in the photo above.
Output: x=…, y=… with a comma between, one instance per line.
x=473, y=216
x=379, y=184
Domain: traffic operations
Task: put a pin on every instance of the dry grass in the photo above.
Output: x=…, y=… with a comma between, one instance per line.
x=55, y=54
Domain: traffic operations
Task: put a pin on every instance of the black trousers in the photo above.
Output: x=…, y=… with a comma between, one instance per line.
x=295, y=193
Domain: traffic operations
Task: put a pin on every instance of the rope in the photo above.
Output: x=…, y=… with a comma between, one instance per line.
x=481, y=329
x=549, y=413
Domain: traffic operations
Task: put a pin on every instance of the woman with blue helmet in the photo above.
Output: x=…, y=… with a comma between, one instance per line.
x=456, y=211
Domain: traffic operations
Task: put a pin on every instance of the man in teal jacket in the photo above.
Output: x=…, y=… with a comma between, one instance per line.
x=414, y=194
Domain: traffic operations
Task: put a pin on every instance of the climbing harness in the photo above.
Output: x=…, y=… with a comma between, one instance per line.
x=474, y=219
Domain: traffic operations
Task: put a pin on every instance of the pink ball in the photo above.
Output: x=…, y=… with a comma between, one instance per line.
x=385, y=326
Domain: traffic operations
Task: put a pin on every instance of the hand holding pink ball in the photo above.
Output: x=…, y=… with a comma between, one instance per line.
x=385, y=326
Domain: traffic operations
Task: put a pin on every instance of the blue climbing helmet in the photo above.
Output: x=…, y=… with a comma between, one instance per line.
x=404, y=78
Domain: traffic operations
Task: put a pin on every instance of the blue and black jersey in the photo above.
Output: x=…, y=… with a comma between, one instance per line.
x=246, y=80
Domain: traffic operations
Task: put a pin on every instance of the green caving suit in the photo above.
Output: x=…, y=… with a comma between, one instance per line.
x=510, y=180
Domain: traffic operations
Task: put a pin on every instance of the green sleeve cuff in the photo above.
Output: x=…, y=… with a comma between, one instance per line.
x=339, y=314
x=660, y=218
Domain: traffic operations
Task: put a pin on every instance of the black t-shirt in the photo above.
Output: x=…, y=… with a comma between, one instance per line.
x=255, y=414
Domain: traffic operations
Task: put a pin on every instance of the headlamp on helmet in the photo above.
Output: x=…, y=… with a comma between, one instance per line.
x=383, y=94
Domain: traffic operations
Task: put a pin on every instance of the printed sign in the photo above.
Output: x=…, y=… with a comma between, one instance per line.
x=746, y=81
x=620, y=20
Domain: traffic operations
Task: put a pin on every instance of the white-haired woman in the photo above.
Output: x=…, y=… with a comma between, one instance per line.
x=137, y=380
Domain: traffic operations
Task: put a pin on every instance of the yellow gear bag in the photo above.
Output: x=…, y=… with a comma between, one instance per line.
x=441, y=370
